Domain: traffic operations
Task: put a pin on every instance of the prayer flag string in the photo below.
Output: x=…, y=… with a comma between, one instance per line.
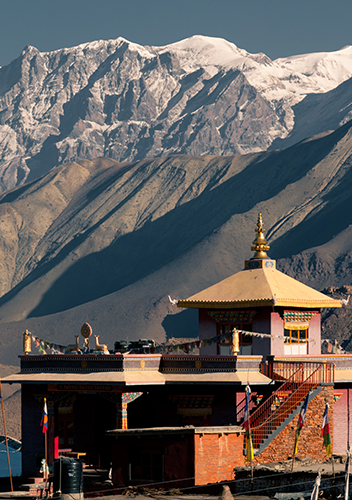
x=48, y=347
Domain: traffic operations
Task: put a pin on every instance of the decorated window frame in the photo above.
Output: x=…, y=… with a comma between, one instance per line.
x=296, y=336
x=296, y=326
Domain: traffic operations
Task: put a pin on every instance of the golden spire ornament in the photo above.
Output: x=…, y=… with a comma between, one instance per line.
x=260, y=245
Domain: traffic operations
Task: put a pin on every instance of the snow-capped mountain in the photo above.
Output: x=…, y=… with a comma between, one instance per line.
x=121, y=100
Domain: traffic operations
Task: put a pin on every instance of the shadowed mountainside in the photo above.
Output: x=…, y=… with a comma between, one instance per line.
x=106, y=242
x=317, y=113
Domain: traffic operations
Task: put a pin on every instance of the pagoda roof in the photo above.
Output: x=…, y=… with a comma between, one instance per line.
x=259, y=285
x=258, y=288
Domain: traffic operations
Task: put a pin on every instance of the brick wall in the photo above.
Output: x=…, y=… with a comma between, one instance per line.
x=310, y=442
x=216, y=456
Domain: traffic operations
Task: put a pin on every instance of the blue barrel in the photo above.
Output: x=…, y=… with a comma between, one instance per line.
x=68, y=477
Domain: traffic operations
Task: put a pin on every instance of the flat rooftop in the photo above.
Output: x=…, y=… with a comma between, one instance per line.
x=187, y=429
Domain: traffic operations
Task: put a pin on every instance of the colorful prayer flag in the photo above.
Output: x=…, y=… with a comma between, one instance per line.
x=325, y=431
x=249, y=445
x=44, y=420
x=302, y=417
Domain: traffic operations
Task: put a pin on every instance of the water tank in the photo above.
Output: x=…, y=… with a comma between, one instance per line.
x=68, y=478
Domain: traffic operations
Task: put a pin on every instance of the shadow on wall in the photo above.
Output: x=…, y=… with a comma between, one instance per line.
x=181, y=325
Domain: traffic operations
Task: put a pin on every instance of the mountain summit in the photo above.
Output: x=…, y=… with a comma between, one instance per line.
x=125, y=101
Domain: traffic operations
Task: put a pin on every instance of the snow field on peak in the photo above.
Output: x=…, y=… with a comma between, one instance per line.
x=329, y=68
x=282, y=80
x=208, y=53
x=117, y=98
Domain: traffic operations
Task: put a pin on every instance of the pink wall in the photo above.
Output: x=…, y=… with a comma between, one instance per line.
x=314, y=332
x=207, y=329
x=277, y=328
x=261, y=323
x=342, y=421
x=265, y=321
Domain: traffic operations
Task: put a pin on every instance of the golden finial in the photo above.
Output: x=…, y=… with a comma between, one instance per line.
x=260, y=245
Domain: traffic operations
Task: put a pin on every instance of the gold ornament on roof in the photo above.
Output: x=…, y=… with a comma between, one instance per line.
x=86, y=332
x=260, y=245
x=27, y=337
x=100, y=347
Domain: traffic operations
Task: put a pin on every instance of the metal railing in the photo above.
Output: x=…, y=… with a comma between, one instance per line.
x=283, y=370
x=269, y=405
x=303, y=377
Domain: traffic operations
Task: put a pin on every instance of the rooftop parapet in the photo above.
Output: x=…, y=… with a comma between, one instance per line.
x=138, y=369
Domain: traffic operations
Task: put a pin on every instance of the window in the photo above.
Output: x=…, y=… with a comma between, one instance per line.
x=296, y=336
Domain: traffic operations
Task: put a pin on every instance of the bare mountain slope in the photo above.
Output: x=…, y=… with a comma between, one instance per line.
x=106, y=242
x=121, y=100
x=8, y=390
x=13, y=415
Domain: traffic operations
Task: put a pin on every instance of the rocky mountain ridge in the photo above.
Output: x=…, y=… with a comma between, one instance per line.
x=336, y=323
x=107, y=242
x=121, y=100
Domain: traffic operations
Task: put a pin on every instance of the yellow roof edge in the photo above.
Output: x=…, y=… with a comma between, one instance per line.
x=308, y=303
x=229, y=304
x=201, y=304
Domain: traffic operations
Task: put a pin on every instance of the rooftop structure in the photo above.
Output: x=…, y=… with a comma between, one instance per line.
x=259, y=285
x=273, y=313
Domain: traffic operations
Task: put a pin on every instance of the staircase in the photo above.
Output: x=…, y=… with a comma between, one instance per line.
x=299, y=379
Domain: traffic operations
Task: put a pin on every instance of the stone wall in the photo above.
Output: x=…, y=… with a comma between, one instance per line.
x=270, y=482
x=310, y=442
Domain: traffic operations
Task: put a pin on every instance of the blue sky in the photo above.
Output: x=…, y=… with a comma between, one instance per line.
x=278, y=28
